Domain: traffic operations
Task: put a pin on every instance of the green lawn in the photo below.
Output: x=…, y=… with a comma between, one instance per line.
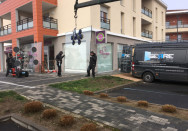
x=96, y=84
x=10, y=94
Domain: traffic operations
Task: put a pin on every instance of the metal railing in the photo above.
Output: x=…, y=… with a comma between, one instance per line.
x=5, y=30
x=147, y=12
x=183, y=25
x=179, y=40
x=25, y=24
x=147, y=34
x=50, y=23
x=105, y=23
x=1, y=1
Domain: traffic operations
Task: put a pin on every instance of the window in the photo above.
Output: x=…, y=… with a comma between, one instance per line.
x=156, y=13
x=179, y=22
x=162, y=18
x=122, y=23
x=122, y=2
x=134, y=5
x=104, y=16
x=167, y=24
x=179, y=37
x=167, y=38
x=134, y=26
x=156, y=33
x=105, y=22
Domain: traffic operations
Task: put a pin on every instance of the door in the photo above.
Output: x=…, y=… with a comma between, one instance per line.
x=174, y=65
x=104, y=57
x=75, y=57
x=126, y=59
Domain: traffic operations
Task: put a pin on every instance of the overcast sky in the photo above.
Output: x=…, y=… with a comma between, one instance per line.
x=176, y=4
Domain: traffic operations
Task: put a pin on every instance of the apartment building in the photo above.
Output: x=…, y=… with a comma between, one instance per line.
x=49, y=25
x=177, y=25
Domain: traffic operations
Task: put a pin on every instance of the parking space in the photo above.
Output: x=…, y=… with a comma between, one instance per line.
x=159, y=92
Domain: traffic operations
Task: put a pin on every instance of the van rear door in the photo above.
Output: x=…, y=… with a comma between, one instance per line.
x=173, y=64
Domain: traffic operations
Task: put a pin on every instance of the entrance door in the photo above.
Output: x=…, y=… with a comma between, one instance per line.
x=126, y=59
x=104, y=57
x=75, y=57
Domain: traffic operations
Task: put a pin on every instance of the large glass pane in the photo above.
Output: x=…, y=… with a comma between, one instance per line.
x=104, y=55
x=75, y=57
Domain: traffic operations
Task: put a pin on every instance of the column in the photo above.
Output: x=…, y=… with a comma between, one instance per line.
x=38, y=26
x=2, y=57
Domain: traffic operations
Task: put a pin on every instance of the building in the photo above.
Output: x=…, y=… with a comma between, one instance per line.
x=177, y=25
x=50, y=23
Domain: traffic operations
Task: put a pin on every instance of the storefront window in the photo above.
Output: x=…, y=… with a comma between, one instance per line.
x=104, y=55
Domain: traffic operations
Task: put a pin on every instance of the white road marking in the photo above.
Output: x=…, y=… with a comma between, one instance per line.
x=9, y=83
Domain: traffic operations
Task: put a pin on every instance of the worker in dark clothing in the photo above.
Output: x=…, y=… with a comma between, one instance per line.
x=59, y=58
x=10, y=63
x=92, y=64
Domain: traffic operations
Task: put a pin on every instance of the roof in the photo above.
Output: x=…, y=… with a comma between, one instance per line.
x=182, y=11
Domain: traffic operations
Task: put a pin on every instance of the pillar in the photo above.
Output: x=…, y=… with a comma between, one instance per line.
x=38, y=26
x=2, y=57
x=1, y=22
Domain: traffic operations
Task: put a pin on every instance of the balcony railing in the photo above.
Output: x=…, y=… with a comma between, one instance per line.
x=1, y=1
x=147, y=34
x=183, y=25
x=50, y=23
x=5, y=30
x=25, y=24
x=105, y=23
x=147, y=12
x=179, y=40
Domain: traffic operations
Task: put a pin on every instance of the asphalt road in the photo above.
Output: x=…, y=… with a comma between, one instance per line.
x=159, y=92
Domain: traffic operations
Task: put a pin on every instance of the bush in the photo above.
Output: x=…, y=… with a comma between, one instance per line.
x=34, y=106
x=67, y=120
x=89, y=127
x=49, y=113
x=86, y=92
x=169, y=108
x=143, y=103
x=121, y=99
x=103, y=95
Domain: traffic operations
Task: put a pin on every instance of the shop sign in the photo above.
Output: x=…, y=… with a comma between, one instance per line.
x=101, y=37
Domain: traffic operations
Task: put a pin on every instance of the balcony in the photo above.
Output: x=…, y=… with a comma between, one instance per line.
x=105, y=23
x=183, y=25
x=1, y=1
x=50, y=23
x=5, y=30
x=25, y=24
x=147, y=34
x=146, y=12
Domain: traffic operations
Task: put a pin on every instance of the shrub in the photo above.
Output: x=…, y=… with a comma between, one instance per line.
x=67, y=120
x=89, y=127
x=49, y=113
x=169, y=108
x=34, y=106
x=103, y=95
x=121, y=99
x=143, y=103
x=86, y=92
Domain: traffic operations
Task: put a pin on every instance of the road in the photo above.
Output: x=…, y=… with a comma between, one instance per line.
x=159, y=92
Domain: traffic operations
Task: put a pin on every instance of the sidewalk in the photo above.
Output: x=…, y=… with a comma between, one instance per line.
x=112, y=114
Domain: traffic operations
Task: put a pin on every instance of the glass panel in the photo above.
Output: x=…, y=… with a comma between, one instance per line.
x=46, y=24
x=30, y=24
x=104, y=52
x=75, y=57
x=19, y=27
x=25, y=26
x=53, y=26
x=119, y=54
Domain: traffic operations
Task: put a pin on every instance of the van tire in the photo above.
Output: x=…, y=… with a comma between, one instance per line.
x=148, y=77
